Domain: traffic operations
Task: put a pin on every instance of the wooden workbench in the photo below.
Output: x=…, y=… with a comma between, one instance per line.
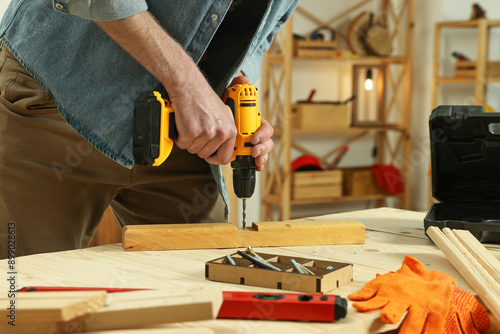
x=390, y=234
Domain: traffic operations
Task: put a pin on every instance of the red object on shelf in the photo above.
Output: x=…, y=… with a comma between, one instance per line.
x=306, y=162
x=311, y=94
x=282, y=306
x=388, y=178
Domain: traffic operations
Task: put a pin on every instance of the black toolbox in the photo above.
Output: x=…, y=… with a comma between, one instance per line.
x=465, y=158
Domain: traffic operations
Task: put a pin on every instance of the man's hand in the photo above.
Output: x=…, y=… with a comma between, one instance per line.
x=205, y=125
x=262, y=137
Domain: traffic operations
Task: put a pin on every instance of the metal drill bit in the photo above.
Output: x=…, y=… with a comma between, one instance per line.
x=297, y=267
x=230, y=259
x=244, y=211
x=258, y=262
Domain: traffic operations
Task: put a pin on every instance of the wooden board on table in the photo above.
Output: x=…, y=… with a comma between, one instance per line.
x=128, y=310
x=223, y=235
x=137, y=309
x=53, y=306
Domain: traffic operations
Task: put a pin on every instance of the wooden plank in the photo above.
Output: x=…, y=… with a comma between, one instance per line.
x=145, y=308
x=53, y=306
x=223, y=235
x=125, y=310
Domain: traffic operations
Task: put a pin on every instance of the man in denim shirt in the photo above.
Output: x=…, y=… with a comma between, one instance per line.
x=69, y=73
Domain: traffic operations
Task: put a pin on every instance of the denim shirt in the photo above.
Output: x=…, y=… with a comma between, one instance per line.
x=93, y=81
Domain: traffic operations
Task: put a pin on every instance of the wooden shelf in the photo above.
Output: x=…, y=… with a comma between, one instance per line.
x=275, y=199
x=471, y=80
x=278, y=130
x=339, y=199
x=356, y=59
x=468, y=24
x=480, y=77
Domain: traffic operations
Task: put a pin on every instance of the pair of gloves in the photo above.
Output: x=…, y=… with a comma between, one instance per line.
x=433, y=302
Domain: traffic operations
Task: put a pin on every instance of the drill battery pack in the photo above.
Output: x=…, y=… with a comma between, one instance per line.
x=465, y=159
x=154, y=129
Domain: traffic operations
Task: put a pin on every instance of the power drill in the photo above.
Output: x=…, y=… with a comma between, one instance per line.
x=155, y=131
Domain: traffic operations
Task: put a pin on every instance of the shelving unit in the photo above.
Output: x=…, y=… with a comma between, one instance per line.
x=480, y=79
x=392, y=137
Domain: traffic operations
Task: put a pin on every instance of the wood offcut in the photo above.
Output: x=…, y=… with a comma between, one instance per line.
x=224, y=235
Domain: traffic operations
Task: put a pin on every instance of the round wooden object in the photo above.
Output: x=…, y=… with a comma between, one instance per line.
x=378, y=40
x=355, y=33
x=364, y=39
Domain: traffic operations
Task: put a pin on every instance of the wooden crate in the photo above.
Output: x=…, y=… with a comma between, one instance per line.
x=247, y=273
x=317, y=184
x=467, y=69
x=360, y=182
x=314, y=49
x=320, y=116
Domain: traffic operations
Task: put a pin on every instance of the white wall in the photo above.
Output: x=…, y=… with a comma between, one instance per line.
x=3, y=6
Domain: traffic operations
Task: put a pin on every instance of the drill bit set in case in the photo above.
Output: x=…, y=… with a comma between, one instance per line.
x=465, y=154
x=328, y=275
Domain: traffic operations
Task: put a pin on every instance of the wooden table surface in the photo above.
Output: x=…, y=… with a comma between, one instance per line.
x=390, y=234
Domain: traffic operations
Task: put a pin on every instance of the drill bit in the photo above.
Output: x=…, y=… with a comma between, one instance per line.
x=244, y=211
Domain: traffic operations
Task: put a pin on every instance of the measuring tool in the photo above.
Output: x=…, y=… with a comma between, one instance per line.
x=155, y=132
x=282, y=306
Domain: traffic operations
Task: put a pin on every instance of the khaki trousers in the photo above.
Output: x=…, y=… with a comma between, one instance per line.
x=55, y=186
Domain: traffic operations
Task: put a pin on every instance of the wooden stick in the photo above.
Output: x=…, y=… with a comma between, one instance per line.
x=488, y=261
x=473, y=262
x=466, y=270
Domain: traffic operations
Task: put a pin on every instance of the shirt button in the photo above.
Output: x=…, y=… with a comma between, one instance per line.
x=215, y=17
x=59, y=6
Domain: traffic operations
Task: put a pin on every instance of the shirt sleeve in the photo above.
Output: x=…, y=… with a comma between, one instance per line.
x=100, y=10
x=252, y=63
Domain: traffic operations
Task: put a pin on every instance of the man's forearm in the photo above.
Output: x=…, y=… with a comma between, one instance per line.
x=148, y=43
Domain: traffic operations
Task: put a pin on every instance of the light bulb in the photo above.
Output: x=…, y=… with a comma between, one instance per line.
x=368, y=84
x=368, y=81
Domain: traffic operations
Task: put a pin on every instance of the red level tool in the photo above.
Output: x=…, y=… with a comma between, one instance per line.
x=282, y=306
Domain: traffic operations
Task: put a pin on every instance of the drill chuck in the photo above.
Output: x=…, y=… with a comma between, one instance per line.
x=244, y=176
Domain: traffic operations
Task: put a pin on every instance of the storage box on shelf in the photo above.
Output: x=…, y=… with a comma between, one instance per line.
x=314, y=49
x=320, y=116
x=317, y=184
x=467, y=69
x=360, y=181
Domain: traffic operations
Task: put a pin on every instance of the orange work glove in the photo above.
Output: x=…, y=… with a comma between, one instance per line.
x=466, y=315
x=425, y=294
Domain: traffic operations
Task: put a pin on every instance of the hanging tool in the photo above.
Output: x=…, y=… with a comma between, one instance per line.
x=460, y=56
x=154, y=134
